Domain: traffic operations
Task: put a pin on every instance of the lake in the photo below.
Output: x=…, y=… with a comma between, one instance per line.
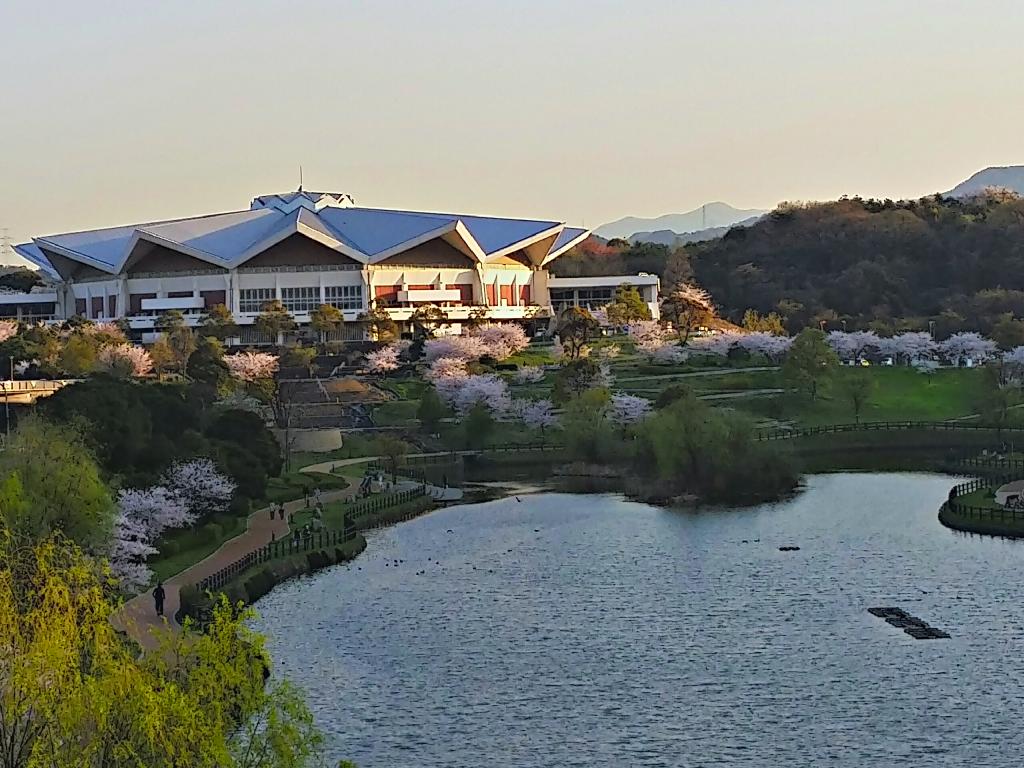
x=572, y=630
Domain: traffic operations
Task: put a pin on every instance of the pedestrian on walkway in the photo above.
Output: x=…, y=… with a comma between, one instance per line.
x=445, y=478
x=158, y=598
x=280, y=510
x=305, y=496
x=271, y=512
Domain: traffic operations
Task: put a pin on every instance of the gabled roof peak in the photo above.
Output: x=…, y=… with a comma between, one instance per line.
x=286, y=202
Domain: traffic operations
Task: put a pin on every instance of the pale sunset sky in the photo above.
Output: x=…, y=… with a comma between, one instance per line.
x=586, y=111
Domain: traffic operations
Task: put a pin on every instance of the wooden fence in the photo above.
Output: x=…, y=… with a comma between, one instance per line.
x=992, y=513
x=881, y=426
x=358, y=517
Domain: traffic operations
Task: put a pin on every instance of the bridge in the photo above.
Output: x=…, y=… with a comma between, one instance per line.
x=26, y=392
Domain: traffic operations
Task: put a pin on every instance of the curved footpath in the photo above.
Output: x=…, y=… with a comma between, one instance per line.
x=138, y=617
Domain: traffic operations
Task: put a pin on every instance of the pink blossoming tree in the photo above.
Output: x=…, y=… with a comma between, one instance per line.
x=126, y=360
x=252, y=366
x=382, y=360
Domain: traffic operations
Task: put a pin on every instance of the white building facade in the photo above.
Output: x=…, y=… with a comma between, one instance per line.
x=304, y=249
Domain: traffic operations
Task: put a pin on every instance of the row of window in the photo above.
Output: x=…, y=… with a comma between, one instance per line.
x=303, y=299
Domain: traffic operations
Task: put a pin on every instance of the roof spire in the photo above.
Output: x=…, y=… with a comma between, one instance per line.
x=300, y=177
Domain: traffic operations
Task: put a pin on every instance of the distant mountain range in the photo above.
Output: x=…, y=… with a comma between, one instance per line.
x=1007, y=176
x=675, y=239
x=718, y=216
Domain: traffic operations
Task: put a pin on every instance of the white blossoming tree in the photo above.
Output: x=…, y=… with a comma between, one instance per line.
x=487, y=390
x=125, y=360
x=500, y=340
x=383, y=360
x=446, y=368
x=909, y=347
x=718, y=344
x=464, y=347
x=252, y=366
x=529, y=374
x=767, y=344
x=8, y=329
x=537, y=414
x=199, y=486
x=961, y=347
x=625, y=410
x=142, y=515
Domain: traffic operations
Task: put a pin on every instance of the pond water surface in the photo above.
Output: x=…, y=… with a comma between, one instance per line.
x=570, y=630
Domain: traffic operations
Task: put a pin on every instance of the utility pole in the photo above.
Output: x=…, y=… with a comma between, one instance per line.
x=6, y=251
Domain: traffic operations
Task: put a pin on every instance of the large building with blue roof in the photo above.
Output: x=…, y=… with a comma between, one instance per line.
x=304, y=249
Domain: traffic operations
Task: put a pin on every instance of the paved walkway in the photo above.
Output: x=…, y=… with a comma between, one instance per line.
x=138, y=616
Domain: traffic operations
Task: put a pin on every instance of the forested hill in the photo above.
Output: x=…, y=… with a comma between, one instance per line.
x=883, y=264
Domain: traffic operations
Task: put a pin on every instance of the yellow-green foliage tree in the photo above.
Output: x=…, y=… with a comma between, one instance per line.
x=50, y=482
x=75, y=694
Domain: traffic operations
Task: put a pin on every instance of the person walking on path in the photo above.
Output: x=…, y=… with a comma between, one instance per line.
x=280, y=510
x=158, y=598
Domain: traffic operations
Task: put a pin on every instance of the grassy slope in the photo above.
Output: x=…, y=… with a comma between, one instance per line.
x=900, y=394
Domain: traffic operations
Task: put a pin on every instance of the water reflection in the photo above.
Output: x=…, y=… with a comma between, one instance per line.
x=565, y=630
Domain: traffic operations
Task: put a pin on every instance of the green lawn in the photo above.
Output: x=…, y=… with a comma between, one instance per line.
x=900, y=394
x=183, y=548
x=397, y=413
x=983, y=497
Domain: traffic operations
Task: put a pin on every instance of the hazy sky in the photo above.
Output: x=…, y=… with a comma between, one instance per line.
x=587, y=111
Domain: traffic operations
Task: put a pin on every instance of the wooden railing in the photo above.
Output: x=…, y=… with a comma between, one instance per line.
x=885, y=426
x=992, y=513
x=358, y=517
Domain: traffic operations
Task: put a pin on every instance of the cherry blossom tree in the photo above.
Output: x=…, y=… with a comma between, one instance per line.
x=252, y=366
x=536, y=414
x=500, y=340
x=669, y=354
x=1014, y=357
x=908, y=347
x=853, y=345
x=529, y=374
x=199, y=486
x=768, y=344
x=446, y=368
x=960, y=347
x=488, y=390
x=125, y=359
x=130, y=546
x=8, y=328
x=382, y=360
x=142, y=515
x=718, y=344
x=648, y=337
x=628, y=409
x=463, y=347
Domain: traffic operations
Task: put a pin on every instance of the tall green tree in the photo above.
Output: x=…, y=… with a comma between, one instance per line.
x=51, y=483
x=478, y=427
x=275, y=321
x=431, y=410
x=810, y=362
x=576, y=327
x=326, y=319
x=393, y=450
x=857, y=388
x=219, y=323
x=628, y=306
x=206, y=366
x=179, y=337
x=379, y=324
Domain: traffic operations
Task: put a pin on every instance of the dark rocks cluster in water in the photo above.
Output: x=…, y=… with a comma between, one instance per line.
x=789, y=549
x=913, y=626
